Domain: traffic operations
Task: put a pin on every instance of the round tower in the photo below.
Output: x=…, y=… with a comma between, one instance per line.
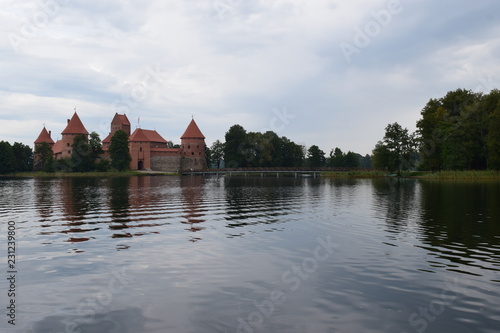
x=193, y=148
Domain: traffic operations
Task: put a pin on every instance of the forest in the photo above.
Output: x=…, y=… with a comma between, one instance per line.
x=460, y=131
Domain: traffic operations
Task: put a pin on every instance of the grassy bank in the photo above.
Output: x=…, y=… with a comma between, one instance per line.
x=470, y=174
x=40, y=174
x=354, y=174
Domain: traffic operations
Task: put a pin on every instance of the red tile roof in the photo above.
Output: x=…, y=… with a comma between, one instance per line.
x=75, y=126
x=44, y=137
x=122, y=118
x=107, y=139
x=192, y=131
x=154, y=136
x=146, y=136
x=57, y=148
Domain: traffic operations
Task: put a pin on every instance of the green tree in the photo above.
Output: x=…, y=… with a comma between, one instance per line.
x=217, y=150
x=315, y=157
x=23, y=156
x=119, y=152
x=351, y=160
x=493, y=139
x=208, y=156
x=7, y=158
x=235, y=154
x=452, y=132
x=294, y=154
x=336, y=159
x=81, y=159
x=381, y=157
x=44, y=157
x=95, y=148
x=400, y=147
x=365, y=161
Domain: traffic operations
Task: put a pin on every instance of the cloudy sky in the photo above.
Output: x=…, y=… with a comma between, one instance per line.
x=324, y=72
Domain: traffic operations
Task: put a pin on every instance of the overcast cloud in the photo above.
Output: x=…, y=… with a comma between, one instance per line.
x=331, y=73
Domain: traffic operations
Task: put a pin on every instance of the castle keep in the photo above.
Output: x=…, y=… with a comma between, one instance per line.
x=148, y=149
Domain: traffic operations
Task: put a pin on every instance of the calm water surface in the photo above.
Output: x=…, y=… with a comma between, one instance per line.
x=192, y=254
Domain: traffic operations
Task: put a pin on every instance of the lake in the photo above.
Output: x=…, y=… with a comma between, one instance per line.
x=195, y=254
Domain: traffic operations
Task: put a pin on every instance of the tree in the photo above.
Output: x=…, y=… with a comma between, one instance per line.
x=453, y=131
x=208, y=156
x=95, y=148
x=397, y=148
x=217, y=150
x=81, y=160
x=381, y=156
x=293, y=155
x=365, y=161
x=234, y=150
x=351, y=160
x=336, y=159
x=315, y=156
x=493, y=139
x=44, y=157
x=23, y=156
x=7, y=158
x=119, y=152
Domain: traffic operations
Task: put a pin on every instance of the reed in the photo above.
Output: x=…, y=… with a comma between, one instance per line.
x=468, y=174
x=354, y=174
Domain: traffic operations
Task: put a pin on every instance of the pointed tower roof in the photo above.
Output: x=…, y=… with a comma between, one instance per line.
x=44, y=137
x=192, y=131
x=75, y=126
x=122, y=118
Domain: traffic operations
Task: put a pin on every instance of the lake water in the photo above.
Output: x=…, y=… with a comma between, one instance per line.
x=193, y=254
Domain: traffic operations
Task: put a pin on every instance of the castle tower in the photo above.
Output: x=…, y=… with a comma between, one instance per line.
x=74, y=127
x=43, y=137
x=193, y=148
x=119, y=122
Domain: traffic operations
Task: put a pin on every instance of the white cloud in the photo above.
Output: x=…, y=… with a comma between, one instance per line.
x=261, y=55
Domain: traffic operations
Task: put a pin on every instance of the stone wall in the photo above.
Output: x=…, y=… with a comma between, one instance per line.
x=193, y=163
x=166, y=163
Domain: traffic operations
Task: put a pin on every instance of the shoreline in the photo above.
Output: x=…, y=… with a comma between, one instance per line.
x=40, y=174
x=427, y=175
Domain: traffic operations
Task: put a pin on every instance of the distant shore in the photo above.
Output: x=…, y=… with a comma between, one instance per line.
x=470, y=174
x=40, y=174
x=449, y=175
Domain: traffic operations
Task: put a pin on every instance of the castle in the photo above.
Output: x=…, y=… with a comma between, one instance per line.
x=148, y=149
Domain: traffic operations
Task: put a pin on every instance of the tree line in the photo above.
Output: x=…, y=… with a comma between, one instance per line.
x=460, y=131
x=254, y=149
x=15, y=158
x=86, y=156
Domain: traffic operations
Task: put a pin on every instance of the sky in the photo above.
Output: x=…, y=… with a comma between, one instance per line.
x=323, y=72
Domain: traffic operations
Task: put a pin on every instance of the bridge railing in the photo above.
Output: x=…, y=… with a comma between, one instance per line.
x=286, y=169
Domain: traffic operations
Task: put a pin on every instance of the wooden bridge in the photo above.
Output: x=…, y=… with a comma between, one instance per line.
x=266, y=172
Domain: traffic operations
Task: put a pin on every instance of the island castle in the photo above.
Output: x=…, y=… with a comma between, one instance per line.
x=148, y=149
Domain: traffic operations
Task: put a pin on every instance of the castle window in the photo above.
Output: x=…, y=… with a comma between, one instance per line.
x=192, y=153
x=189, y=146
x=67, y=144
x=199, y=153
x=140, y=149
x=198, y=146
